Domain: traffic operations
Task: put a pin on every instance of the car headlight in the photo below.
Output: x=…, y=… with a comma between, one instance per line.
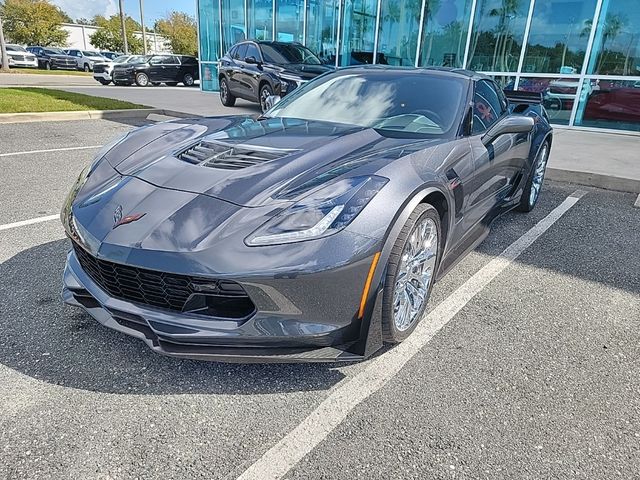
x=322, y=213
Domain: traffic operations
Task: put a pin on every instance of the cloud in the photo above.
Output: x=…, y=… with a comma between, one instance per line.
x=87, y=9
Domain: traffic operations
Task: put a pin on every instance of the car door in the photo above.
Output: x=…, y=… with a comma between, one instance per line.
x=156, y=70
x=234, y=70
x=172, y=69
x=498, y=164
x=251, y=72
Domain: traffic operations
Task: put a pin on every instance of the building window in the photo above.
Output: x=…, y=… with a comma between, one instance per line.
x=609, y=104
x=558, y=95
x=289, y=20
x=260, y=19
x=233, y=27
x=398, y=33
x=444, y=35
x=497, y=35
x=558, y=36
x=322, y=28
x=358, y=32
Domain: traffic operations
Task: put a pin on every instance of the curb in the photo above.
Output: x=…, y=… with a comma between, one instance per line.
x=608, y=182
x=134, y=113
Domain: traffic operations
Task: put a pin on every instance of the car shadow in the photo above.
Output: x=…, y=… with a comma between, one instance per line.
x=42, y=338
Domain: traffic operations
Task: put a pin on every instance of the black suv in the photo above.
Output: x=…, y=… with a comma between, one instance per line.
x=51, y=58
x=255, y=70
x=157, y=69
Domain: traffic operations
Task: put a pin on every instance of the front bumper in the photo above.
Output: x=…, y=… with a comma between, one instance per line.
x=23, y=63
x=284, y=334
x=102, y=75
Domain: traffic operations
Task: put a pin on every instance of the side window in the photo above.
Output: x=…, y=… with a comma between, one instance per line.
x=172, y=60
x=159, y=60
x=252, y=51
x=488, y=106
x=232, y=52
x=241, y=52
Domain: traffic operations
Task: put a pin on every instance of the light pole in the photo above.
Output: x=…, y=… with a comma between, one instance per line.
x=3, y=49
x=144, y=33
x=123, y=28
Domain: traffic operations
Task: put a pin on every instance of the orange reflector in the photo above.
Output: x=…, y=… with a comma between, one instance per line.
x=367, y=284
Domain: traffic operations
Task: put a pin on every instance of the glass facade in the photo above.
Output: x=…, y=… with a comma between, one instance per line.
x=582, y=55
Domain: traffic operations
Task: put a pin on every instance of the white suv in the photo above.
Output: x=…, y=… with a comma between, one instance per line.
x=19, y=57
x=86, y=58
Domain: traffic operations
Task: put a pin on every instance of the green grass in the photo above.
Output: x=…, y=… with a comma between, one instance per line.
x=20, y=100
x=38, y=71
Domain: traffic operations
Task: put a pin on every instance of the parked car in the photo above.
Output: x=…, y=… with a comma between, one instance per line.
x=85, y=58
x=20, y=57
x=314, y=232
x=51, y=58
x=156, y=69
x=103, y=71
x=256, y=70
x=110, y=55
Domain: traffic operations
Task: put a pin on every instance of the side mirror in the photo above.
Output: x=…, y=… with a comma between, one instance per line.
x=272, y=100
x=509, y=124
x=251, y=60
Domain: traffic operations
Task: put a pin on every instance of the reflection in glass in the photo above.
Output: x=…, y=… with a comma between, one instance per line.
x=209, y=43
x=444, y=35
x=358, y=32
x=505, y=82
x=289, y=20
x=497, y=35
x=233, y=28
x=558, y=36
x=398, y=35
x=260, y=19
x=609, y=104
x=322, y=28
x=617, y=40
x=558, y=95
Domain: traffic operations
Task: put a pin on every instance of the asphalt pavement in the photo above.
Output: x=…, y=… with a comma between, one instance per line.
x=536, y=376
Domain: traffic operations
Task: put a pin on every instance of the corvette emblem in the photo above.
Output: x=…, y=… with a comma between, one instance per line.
x=118, y=219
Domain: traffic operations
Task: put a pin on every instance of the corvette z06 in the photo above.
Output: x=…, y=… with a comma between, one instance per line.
x=314, y=232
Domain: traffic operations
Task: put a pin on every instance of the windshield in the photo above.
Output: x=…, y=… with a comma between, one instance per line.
x=16, y=48
x=288, y=53
x=54, y=51
x=123, y=59
x=410, y=102
x=88, y=53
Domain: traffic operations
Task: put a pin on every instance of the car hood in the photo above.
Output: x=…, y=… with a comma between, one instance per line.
x=257, y=161
x=304, y=71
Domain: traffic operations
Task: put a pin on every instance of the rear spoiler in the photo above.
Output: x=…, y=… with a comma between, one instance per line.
x=517, y=96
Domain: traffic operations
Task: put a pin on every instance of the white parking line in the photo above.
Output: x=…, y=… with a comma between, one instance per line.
x=27, y=152
x=279, y=459
x=31, y=221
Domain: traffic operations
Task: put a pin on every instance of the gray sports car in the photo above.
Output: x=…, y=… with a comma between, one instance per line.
x=314, y=232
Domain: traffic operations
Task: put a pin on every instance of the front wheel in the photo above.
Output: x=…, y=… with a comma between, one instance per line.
x=104, y=82
x=265, y=92
x=142, y=79
x=87, y=68
x=411, y=272
x=188, y=80
x=534, y=182
x=226, y=97
x=47, y=66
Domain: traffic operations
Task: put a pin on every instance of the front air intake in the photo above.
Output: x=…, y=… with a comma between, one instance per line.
x=215, y=154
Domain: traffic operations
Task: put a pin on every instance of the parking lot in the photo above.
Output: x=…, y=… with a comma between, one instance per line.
x=527, y=366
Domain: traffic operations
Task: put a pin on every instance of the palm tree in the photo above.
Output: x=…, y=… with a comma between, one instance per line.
x=613, y=25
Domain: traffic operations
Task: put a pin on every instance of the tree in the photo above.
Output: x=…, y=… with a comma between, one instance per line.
x=109, y=36
x=180, y=29
x=86, y=21
x=3, y=50
x=34, y=22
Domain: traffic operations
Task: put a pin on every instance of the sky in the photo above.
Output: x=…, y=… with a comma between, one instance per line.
x=153, y=9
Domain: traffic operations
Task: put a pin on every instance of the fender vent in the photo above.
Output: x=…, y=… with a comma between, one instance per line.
x=215, y=154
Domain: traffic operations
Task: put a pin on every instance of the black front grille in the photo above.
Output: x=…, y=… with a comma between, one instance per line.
x=219, y=298
x=215, y=154
x=99, y=68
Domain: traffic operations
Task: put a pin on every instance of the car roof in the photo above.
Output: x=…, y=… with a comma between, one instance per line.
x=440, y=71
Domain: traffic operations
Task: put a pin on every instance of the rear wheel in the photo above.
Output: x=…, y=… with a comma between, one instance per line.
x=142, y=79
x=188, y=80
x=411, y=273
x=534, y=183
x=226, y=97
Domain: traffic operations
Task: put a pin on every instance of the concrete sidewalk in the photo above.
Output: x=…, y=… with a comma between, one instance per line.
x=604, y=160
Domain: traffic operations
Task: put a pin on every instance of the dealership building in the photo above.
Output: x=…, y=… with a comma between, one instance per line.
x=582, y=55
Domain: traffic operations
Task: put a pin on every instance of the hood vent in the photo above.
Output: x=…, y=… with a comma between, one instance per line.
x=216, y=154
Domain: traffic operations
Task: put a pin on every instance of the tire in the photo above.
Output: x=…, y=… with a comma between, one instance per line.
x=265, y=92
x=422, y=227
x=226, y=97
x=47, y=66
x=531, y=192
x=104, y=82
x=188, y=80
x=142, y=79
x=86, y=67
x=171, y=84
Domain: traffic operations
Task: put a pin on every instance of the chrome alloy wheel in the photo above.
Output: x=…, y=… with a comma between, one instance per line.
x=415, y=274
x=224, y=91
x=263, y=99
x=538, y=175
